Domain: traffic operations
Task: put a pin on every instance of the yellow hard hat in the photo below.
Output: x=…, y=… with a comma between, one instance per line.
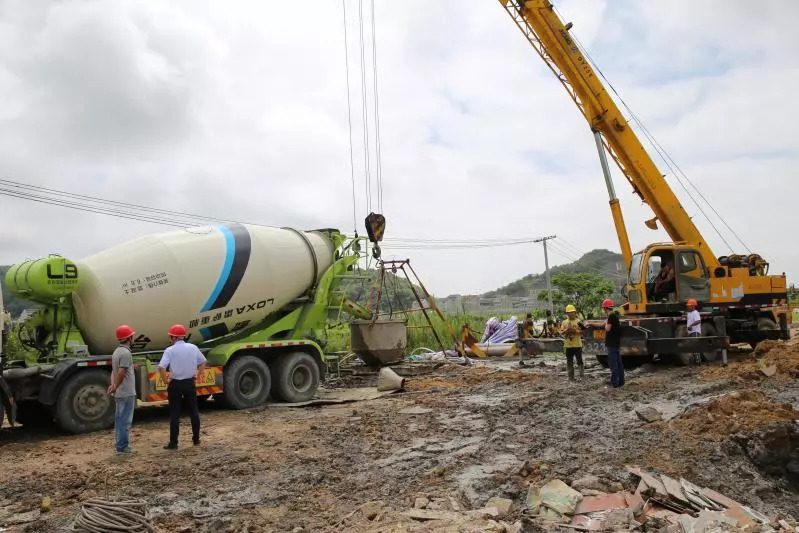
x=571, y=309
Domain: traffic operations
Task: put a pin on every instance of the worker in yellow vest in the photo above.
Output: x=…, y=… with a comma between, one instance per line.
x=571, y=330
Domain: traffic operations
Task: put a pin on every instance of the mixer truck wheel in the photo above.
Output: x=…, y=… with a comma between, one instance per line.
x=247, y=382
x=296, y=377
x=83, y=404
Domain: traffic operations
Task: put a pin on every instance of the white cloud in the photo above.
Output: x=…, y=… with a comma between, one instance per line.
x=239, y=111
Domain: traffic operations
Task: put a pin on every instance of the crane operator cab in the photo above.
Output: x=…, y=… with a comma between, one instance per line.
x=663, y=276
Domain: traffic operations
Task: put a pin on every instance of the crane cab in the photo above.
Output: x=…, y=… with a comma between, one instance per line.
x=664, y=276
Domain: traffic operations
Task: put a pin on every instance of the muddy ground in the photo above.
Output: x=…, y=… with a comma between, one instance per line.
x=457, y=438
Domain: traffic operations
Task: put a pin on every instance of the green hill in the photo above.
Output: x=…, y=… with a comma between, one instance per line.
x=603, y=262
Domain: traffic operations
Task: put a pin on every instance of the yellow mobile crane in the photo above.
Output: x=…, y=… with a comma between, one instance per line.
x=737, y=297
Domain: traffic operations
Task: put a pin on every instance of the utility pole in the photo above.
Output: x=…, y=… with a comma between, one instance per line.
x=546, y=266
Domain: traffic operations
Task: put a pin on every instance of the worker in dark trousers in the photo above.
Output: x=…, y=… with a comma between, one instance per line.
x=185, y=363
x=571, y=329
x=693, y=320
x=613, y=344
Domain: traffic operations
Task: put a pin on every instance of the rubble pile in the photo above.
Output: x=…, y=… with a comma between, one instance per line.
x=659, y=503
x=771, y=359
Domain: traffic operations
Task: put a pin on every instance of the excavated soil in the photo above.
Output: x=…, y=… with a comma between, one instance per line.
x=456, y=439
x=785, y=356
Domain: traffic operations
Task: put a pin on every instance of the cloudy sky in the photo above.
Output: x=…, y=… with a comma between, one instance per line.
x=238, y=110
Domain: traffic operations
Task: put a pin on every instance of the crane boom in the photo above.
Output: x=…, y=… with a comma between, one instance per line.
x=550, y=38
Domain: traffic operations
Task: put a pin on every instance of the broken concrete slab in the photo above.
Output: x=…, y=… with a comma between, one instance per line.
x=421, y=502
x=649, y=481
x=649, y=414
x=635, y=503
x=533, y=500
x=605, y=502
x=674, y=490
x=719, y=498
x=559, y=496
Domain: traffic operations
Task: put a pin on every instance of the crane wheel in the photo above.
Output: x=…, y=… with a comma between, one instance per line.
x=32, y=414
x=296, y=377
x=247, y=382
x=709, y=330
x=682, y=358
x=83, y=404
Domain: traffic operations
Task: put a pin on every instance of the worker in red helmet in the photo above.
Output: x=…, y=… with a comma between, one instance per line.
x=613, y=343
x=693, y=320
x=185, y=363
x=123, y=388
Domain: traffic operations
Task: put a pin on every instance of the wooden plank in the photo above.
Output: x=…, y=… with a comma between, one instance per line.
x=720, y=498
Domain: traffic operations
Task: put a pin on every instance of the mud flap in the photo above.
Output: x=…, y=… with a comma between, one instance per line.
x=9, y=405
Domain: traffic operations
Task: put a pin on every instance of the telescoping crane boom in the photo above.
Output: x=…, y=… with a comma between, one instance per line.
x=736, y=287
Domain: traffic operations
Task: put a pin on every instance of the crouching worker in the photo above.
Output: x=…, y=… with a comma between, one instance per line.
x=571, y=329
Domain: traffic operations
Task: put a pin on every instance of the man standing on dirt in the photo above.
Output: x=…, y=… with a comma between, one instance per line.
x=572, y=342
x=694, y=322
x=185, y=362
x=123, y=388
x=613, y=344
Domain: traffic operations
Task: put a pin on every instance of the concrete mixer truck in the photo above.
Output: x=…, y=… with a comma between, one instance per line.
x=253, y=298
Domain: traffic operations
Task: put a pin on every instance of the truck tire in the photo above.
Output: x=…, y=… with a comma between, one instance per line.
x=681, y=358
x=83, y=404
x=296, y=377
x=602, y=359
x=247, y=382
x=709, y=330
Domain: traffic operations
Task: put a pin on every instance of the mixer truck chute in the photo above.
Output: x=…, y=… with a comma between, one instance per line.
x=253, y=298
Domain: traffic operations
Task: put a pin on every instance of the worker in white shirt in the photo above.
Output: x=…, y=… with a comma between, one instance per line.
x=694, y=322
x=185, y=363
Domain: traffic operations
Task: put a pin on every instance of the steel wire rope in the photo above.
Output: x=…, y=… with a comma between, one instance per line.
x=349, y=117
x=665, y=157
x=365, y=113
x=99, y=515
x=378, y=146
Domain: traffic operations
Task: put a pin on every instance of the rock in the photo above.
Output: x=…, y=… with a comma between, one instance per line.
x=485, y=512
x=298, y=529
x=425, y=514
x=558, y=496
x=415, y=410
x=370, y=510
x=649, y=414
x=618, y=519
x=453, y=503
x=420, y=502
x=766, y=369
x=590, y=492
x=23, y=518
x=588, y=482
x=503, y=505
x=46, y=505
x=533, y=500
x=87, y=495
x=614, y=486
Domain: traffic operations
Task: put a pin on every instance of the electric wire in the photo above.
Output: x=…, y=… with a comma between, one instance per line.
x=349, y=117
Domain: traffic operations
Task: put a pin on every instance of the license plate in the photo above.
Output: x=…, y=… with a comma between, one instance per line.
x=599, y=334
x=208, y=379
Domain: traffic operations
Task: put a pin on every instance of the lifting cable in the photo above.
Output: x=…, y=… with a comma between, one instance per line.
x=667, y=159
x=377, y=116
x=365, y=113
x=349, y=117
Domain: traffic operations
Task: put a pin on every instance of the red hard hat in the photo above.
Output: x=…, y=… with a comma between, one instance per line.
x=124, y=332
x=607, y=304
x=177, y=330
x=691, y=302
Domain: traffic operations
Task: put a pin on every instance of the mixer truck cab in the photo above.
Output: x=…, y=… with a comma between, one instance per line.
x=254, y=299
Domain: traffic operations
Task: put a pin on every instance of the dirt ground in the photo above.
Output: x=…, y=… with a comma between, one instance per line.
x=457, y=438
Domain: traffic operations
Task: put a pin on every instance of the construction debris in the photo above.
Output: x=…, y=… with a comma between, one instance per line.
x=658, y=503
